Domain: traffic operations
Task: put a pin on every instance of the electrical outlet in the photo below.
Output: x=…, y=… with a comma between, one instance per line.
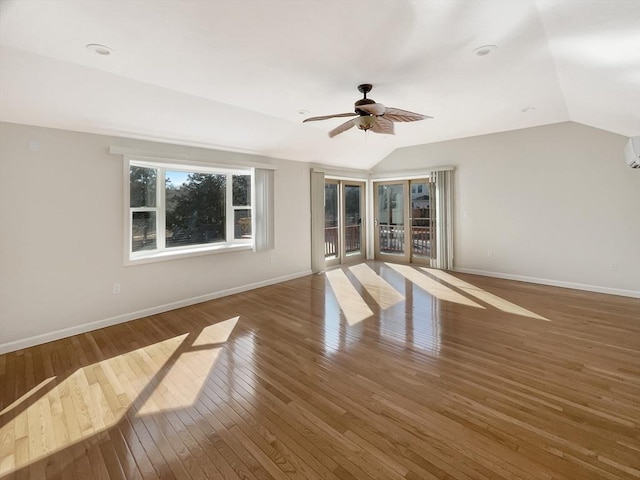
x=490, y=253
x=116, y=288
x=614, y=267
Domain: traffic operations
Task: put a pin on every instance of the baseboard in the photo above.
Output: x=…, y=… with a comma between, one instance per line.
x=552, y=283
x=126, y=317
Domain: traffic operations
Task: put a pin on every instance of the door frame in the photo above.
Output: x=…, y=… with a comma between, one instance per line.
x=377, y=254
x=408, y=255
x=342, y=257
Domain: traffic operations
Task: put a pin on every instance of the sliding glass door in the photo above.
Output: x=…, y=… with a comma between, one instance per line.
x=390, y=221
x=404, y=221
x=344, y=226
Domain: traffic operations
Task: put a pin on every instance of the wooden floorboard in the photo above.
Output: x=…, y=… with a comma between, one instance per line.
x=403, y=373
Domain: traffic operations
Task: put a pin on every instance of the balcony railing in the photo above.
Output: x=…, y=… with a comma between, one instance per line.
x=352, y=240
x=421, y=241
x=392, y=240
x=330, y=242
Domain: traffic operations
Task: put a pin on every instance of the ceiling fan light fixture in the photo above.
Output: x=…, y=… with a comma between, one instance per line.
x=365, y=122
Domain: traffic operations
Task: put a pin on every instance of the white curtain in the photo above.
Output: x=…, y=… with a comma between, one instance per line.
x=317, y=221
x=444, y=219
x=264, y=209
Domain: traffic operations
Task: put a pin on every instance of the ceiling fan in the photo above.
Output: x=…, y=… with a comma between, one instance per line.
x=371, y=116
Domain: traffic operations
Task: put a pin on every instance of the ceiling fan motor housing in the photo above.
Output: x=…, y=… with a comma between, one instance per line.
x=364, y=101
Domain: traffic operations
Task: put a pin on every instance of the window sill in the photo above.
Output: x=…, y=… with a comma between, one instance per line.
x=186, y=253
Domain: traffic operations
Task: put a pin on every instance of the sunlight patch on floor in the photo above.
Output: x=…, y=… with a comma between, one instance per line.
x=182, y=384
x=82, y=404
x=384, y=294
x=24, y=397
x=62, y=411
x=437, y=289
x=482, y=295
x=353, y=307
x=216, y=333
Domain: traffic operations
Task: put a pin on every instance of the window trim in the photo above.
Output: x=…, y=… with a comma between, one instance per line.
x=162, y=253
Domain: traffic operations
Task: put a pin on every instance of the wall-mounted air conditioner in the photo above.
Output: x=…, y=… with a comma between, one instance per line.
x=632, y=152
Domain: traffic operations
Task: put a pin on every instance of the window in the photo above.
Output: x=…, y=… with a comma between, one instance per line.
x=176, y=209
x=242, y=206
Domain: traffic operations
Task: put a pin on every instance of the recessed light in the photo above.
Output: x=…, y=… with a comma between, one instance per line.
x=485, y=50
x=527, y=109
x=99, y=49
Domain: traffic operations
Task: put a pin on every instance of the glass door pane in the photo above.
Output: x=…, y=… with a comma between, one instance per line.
x=390, y=219
x=353, y=195
x=420, y=221
x=331, y=227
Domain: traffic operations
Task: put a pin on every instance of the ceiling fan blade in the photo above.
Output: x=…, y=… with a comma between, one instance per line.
x=325, y=117
x=398, y=115
x=373, y=108
x=383, y=125
x=342, y=128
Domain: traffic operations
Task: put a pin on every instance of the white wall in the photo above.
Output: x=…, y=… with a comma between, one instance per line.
x=555, y=204
x=62, y=228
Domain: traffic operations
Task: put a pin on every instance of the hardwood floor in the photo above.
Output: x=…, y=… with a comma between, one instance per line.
x=400, y=373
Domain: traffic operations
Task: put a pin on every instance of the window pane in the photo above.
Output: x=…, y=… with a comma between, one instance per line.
x=391, y=218
x=242, y=224
x=420, y=221
x=330, y=220
x=195, y=208
x=143, y=231
x=142, y=186
x=352, y=219
x=241, y=190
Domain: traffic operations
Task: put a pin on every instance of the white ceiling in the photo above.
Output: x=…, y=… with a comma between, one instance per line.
x=234, y=74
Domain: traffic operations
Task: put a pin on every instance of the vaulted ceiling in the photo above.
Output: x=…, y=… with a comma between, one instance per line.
x=241, y=75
